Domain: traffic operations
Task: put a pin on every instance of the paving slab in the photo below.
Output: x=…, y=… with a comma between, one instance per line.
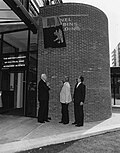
x=24, y=133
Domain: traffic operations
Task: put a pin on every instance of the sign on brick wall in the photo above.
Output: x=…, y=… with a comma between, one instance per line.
x=53, y=33
x=14, y=62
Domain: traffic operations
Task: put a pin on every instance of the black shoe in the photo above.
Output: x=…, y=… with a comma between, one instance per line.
x=78, y=125
x=66, y=123
x=60, y=122
x=47, y=121
x=41, y=121
x=49, y=118
x=74, y=123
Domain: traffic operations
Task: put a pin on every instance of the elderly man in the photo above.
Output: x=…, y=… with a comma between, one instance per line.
x=43, y=97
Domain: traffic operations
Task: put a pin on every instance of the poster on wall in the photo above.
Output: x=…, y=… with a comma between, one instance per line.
x=53, y=32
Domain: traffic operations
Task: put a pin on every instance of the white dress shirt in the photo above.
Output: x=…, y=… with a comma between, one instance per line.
x=78, y=84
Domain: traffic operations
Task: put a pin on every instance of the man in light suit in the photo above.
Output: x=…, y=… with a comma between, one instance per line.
x=78, y=99
x=43, y=98
x=65, y=99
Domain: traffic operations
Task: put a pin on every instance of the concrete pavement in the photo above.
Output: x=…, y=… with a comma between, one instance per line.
x=23, y=133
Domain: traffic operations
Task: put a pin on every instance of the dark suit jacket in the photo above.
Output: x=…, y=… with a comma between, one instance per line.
x=43, y=91
x=79, y=93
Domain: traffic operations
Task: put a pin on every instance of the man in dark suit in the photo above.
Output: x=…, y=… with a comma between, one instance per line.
x=43, y=98
x=78, y=99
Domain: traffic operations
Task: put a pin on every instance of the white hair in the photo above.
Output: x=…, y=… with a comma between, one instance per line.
x=43, y=76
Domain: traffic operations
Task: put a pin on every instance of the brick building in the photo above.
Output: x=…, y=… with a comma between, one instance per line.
x=86, y=53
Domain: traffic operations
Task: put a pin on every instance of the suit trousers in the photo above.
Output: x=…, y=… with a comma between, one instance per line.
x=43, y=111
x=79, y=114
x=65, y=113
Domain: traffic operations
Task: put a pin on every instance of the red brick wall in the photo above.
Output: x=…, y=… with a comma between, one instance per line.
x=87, y=54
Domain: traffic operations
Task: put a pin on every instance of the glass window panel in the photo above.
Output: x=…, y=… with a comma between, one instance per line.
x=8, y=48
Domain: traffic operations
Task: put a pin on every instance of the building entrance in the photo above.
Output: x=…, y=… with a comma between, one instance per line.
x=18, y=91
x=18, y=77
x=12, y=93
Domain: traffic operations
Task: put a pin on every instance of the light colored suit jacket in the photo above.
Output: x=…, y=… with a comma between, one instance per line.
x=65, y=94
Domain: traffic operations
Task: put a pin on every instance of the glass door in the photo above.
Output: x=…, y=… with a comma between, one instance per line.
x=31, y=102
x=115, y=87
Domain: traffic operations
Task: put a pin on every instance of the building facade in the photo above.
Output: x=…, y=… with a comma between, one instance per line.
x=116, y=56
x=86, y=53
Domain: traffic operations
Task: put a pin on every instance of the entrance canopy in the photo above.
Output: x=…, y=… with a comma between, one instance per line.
x=9, y=21
x=13, y=26
x=21, y=9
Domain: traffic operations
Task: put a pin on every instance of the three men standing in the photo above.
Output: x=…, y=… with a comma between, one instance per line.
x=65, y=99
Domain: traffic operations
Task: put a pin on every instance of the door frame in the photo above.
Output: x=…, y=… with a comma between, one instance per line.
x=26, y=72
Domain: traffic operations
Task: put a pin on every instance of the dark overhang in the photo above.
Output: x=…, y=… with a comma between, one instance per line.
x=115, y=71
x=23, y=14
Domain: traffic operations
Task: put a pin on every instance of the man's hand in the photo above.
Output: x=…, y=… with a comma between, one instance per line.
x=81, y=103
x=48, y=84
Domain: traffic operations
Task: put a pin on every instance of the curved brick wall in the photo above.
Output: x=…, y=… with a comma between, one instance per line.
x=87, y=54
